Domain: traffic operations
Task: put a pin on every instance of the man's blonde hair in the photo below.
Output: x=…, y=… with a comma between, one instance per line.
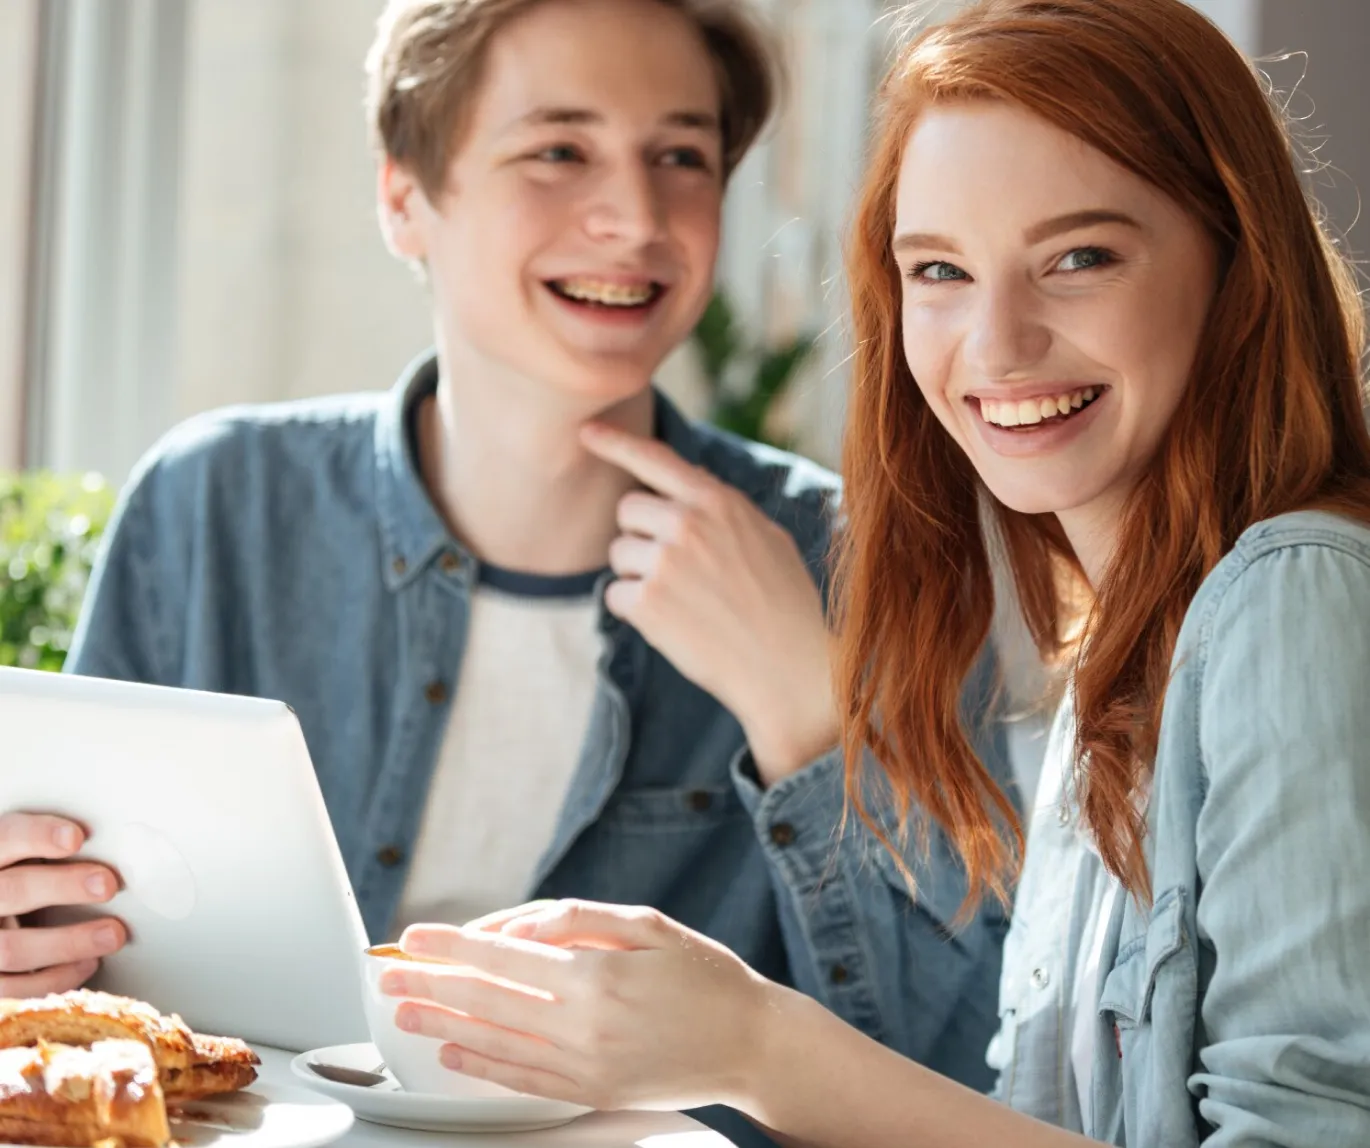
x=424, y=67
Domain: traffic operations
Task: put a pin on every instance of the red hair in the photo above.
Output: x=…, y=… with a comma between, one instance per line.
x=1271, y=421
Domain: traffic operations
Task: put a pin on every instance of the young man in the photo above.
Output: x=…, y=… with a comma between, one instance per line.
x=544, y=637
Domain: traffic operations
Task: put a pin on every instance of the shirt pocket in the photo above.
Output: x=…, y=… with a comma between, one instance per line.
x=1147, y=1007
x=1130, y=986
x=682, y=809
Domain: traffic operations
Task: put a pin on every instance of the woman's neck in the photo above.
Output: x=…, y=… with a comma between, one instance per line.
x=1092, y=531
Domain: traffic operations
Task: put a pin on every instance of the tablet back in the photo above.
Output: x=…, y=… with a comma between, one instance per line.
x=239, y=909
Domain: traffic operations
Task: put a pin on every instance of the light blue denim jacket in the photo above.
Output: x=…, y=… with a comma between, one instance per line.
x=292, y=552
x=1235, y=1009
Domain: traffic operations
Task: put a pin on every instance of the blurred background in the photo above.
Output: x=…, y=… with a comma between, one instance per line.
x=186, y=221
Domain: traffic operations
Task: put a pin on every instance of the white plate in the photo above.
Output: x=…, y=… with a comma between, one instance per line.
x=263, y=1116
x=389, y=1104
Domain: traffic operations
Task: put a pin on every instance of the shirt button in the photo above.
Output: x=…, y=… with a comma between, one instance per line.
x=782, y=834
x=838, y=974
x=1041, y=978
x=399, y=566
x=435, y=692
x=390, y=856
x=700, y=800
x=449, y=562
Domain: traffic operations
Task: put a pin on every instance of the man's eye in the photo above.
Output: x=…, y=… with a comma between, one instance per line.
x=690, y=157
x=559, y=153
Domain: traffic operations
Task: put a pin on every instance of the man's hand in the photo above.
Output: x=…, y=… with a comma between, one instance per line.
x=35, y=961
x=723, y=593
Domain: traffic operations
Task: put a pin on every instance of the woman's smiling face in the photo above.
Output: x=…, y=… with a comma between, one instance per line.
x=1053, y=303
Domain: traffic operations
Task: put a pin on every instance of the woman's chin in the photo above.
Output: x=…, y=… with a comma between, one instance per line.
x=1022, y=501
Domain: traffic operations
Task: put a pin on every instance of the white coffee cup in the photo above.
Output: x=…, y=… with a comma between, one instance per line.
x=411, y=1057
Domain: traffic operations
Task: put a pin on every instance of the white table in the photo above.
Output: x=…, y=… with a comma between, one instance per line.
x=597, y=1130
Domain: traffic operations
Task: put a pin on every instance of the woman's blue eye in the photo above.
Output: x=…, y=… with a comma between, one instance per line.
x=936, y=271
x=1085, y=258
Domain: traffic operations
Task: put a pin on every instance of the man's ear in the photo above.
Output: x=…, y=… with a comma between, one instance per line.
x=402, y=208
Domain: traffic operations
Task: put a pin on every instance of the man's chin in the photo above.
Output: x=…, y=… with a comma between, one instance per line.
x=604, y=378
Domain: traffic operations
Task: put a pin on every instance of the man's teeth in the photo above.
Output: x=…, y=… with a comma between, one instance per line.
x=1025, y=412
x=608, y=294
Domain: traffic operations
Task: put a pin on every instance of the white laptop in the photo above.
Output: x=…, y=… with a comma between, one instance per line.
x=240, y=913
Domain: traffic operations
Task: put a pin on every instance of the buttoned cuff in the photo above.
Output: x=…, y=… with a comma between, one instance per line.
x=797, y=823
x=797, y=818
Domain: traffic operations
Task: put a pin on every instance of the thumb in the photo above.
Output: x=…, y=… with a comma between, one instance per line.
x=587, y=925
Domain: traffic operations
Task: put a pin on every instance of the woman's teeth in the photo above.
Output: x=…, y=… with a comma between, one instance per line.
x=605, y=294
x=1025, y=412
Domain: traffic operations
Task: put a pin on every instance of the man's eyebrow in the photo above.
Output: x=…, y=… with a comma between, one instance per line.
x=1037, y=233
x=555, y=114
x=704, y=121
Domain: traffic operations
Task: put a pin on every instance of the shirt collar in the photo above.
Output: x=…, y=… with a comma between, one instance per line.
x=675, y=430
x=412, y=532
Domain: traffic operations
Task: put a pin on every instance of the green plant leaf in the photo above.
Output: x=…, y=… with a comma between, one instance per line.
x=717, y=338
x=50, y=528
x=777, y=368
x=745, y=379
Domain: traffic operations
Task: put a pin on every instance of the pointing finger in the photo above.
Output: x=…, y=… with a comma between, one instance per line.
x=651, y=462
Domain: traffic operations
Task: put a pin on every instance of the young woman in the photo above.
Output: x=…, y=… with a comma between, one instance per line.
x=1095, y=318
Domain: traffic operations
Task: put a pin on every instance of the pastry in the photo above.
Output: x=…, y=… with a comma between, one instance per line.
x=82, y=1017
x=190, y=1065
x=68, y=1097
x=218, y=1064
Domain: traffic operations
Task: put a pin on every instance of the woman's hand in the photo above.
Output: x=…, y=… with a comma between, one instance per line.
x=601, y=1005
x=723, y=592
x=614, y=1007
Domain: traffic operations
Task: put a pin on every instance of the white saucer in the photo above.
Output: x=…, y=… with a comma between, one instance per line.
x=389, y=1104
x=263, y=1116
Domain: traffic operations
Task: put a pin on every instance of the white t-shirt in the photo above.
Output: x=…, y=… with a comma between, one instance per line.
x=1049, y=984
x=1101, y=896
x=519, y=715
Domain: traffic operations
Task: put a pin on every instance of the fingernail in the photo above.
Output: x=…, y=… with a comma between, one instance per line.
x=451, y=1058
x=64, y=837
x=97, y=885
x=107, y=938
x=394, y=985
x=407, y=1019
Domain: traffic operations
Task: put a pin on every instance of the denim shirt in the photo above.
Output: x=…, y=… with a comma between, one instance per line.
x=292, y=552
x=1234, y=1008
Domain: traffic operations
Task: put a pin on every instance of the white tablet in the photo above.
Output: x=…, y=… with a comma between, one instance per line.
x=240, y=914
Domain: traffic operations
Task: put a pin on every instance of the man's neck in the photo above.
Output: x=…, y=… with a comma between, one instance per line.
x=506, y=470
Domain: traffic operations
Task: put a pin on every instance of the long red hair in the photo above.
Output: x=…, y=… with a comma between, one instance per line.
x=1271, y=421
